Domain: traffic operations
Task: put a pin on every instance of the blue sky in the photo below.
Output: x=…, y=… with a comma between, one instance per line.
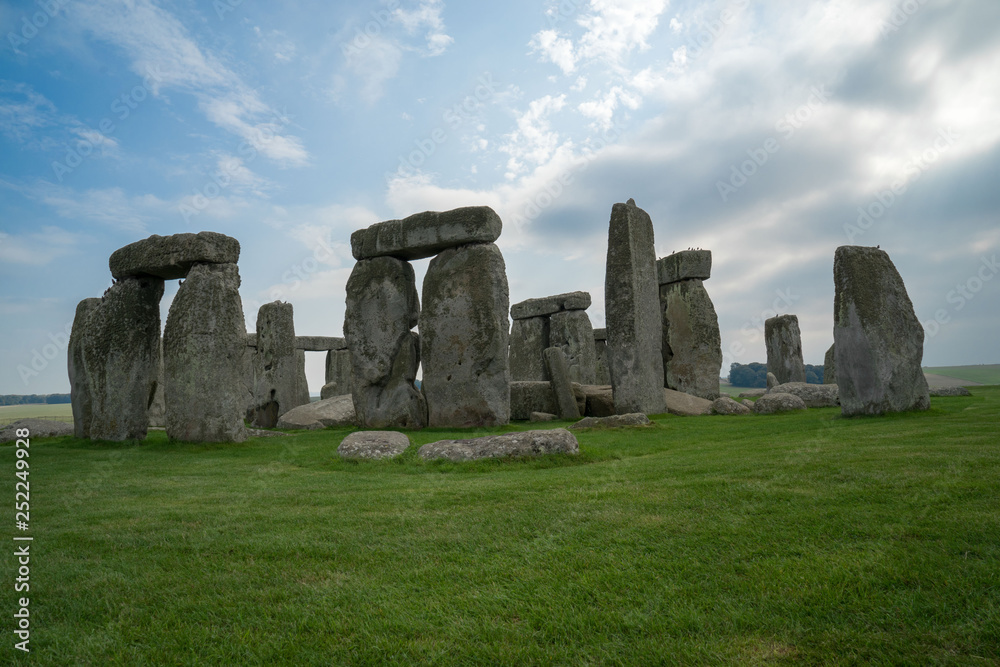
x=768, y=132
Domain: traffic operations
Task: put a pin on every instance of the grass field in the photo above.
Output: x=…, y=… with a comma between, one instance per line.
x=792, y=539
x=59, y=411
x=983, y=374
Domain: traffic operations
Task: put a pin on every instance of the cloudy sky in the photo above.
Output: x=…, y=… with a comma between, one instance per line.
x=770, y=132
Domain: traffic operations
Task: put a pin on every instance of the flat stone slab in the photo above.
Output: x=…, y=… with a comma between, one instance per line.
x=752, y=393
x=813, y=395
x=373, y=445
x=37, y=428
x=525, y=443
x=426, y=234
x=724, y=405
x=686, y=405
x=548, y=305
x=320, y=343
x=336, y=411
x=772, y=403
x=614, y=421
x=542, y=417
x=684, y=265
x=171, y=257
x=950, y=391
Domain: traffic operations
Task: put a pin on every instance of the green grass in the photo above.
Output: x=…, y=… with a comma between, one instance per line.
x=983, y=374
x=793, y=539
x=58, y=411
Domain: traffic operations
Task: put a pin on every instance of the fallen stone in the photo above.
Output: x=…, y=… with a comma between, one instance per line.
x=336, y=411
x=830, y=366
x=464, y=338
x=260, y=433
x=784, y=348
x=531, y=396
x=528, y=339
x=542, y=417
x=171, y=257
x=278, y=368
x=79, y=384
x=752, y=393
x=549, y=305
x=599, y=400
x=686, y=405
x=813, y=395
x=320, y=343
x=632, y=307
x=555, y=361
x=950, y=391
x=724, y=405
x=614, y=421
x=684, y=265
x=772, y=403
x=692, y=344
x=878, y=340
x=747, y=402
x=428, y=233
x=373, y=445
x=37, y=428
x=572, y=332
x=525, y=443
x=772, y=381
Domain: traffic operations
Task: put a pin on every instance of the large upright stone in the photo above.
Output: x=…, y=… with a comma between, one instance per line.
x=548, y=305
x=878, y=340
x=278, y=367
x=171, y=257
x=204, y=343
x=157, y=411
x=426, y=234
x=784, y=349
x=382, y=307
x=79, y=383
x=338, y=373
x=464, y=337
x=572, y=332
x=830, y=366
x=692, y=345
x=528, y=339
x=562, y=388
x=684, y=265
x=601, y=351
x=120, y=358
x=632, y=309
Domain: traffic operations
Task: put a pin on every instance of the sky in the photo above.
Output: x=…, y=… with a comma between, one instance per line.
x=770, y=132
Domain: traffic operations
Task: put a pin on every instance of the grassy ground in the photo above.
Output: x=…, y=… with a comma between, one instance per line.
x=983, y=374
x=59, y=411
x=792, y=539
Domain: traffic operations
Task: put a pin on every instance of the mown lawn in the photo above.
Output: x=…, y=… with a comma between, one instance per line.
x=791, y=539
x=984, y=373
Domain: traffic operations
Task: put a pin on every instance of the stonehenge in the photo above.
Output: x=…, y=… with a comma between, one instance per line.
x=784, y=349
x=554, y=321
x=830, y=366
x=601, y=372
x=278, y=381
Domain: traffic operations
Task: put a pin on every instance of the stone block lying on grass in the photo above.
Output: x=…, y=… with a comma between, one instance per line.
x=525, y=443
x=336, y=411
x=38, y=428
x=724, y=405
x=752, y=393
x=614, y=421
x=772, y=403
x=686, y=405
x=373, y=445
x=950, y=391
x=813, y=395
x=542, y=417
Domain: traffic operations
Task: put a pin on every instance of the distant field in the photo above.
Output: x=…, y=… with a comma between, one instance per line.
x=983, y=374
x=59, y=412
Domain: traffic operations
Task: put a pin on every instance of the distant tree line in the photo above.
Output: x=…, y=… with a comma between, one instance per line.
x=754, y=375
x=49, y=399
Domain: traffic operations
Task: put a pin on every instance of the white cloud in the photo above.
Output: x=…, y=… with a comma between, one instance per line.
x=533, y=140
x=373, y=66
x=427, y=17
x=601, y=109
x=556, y=49
x=38, y=248
x=676, y=26
x=616, y=27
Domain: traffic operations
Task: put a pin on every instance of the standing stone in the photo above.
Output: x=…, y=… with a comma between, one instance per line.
x=878, y=340
x=603, y=375
x=528, y=339
x=120, y=354
x=555, y=360
x=382, y=307
x=204, y=343
x=830, y=366
x=572, y=331
x=278, y=367
x=784, y=349
x=631, y=304
x=158, y=407
x=464, y=337
x=79, y=384
x=692, y=345
x=338, y=373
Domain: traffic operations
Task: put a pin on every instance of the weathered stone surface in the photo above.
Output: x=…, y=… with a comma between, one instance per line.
x=724, y=405
x=950, y=391
x=771, y=403
x=555, y=361
x=171, y=257
x=464, y=337
x=334, y=411
x=203, y=346
x=684, y=265
x=692, y=345
x=157, y=411
x=572, y=332
x=37, y=428
x=772, y=381
x=278, y=368
x=79, y=384
x=830, y=366
x=525, y=443
x=320, y=343
x=878, y=340
x=614, y=421
x=428, y=233
x=382, y=307
x=752, y=393
x=542, y=417
x=531, y=396
x=784, y=348
x=601, y=373
x=548, y=305
x=632, y=308
x=528, y=340
x=813, y=395
x=121, y=349
x=373, y=445
x=599, y=400
x=338, y=373
x=747, y=402
x=686, y=405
